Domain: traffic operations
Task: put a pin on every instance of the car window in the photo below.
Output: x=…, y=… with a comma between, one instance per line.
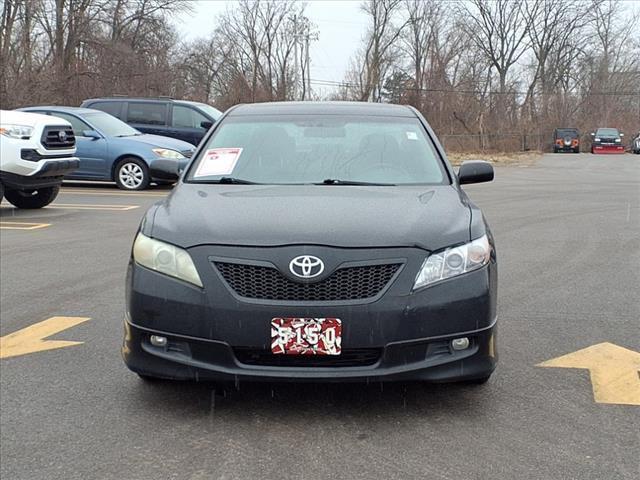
x=146, y=113
x=112, y=108
x=78, y=125
x=312, y=148
x=209, y=110
x=607, y=132
x=567, y=132
x=110, y=125
x=185, y=117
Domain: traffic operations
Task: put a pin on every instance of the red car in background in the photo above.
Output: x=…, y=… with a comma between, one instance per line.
x=607, y=140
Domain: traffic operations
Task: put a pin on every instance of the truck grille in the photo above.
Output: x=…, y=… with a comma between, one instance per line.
x=354, y=357
x=58, y=138
x=267, y=283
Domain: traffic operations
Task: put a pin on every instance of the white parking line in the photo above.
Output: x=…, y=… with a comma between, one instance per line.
x=93, y=206
x=118, y=194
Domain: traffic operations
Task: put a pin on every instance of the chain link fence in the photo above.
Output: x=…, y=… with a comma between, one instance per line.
x=492, y=142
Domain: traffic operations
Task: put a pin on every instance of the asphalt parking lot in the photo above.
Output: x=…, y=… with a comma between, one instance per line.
x=568, y=236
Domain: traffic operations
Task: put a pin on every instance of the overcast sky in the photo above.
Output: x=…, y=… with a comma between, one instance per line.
x=341, y=25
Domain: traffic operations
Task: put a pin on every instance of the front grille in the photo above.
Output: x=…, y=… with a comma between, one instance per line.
x=267, y=283
x=354, y=357
x=57, y=138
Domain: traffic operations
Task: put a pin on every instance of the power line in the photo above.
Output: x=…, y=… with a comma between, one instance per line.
x=334, y=83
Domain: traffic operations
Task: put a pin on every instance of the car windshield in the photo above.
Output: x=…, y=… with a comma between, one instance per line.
x=607, y=132
x=566, y=132
x=110, y=126
x=209, y=110
x=319, y=149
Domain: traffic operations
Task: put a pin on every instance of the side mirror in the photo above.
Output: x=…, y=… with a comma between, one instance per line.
x=206, y=125
x=92, y=134
x=475, y=171
x=168, y=169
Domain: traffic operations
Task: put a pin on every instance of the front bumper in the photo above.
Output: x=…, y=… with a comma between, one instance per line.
x=608, y=149
x=427, y=359
x=412, y=331
x=47, y=173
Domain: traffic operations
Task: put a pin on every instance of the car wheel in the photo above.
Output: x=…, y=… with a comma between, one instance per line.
x=576, y=150
x=132, y=174
x=32, y=198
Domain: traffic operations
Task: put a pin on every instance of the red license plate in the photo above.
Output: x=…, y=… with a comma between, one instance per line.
x=306, y=336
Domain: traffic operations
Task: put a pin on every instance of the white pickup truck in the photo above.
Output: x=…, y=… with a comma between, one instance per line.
x=36, y=151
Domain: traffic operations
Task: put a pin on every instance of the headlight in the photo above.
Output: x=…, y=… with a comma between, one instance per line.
x=22, y=132
x=165, y=258
x=596, y=139
x=166, y=153
x=454, y=261
x=618, y=140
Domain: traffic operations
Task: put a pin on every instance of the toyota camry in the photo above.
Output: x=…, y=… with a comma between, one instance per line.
x=314, y=242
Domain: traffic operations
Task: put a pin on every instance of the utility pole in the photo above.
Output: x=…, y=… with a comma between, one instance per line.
x=307, y=37
x=295, y=55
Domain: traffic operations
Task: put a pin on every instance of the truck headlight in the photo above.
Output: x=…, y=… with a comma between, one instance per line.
x=454, y=261
x=21, y=132
x=165, y=258
x=166, y=153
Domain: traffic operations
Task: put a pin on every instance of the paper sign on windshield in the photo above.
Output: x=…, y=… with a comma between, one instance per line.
x=218, y=161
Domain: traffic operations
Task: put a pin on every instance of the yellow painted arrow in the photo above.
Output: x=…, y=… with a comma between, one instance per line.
x=614, y=371
x=32, y=338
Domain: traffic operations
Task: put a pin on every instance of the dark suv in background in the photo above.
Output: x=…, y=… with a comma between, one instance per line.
x=181, y=119
x=566, y=140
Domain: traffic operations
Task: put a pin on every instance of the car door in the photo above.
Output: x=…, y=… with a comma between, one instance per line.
x=92, y=152
x=186, y=124
x=148, y=117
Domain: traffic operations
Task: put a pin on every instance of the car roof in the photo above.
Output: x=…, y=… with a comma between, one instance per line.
x=137, y=99
x=323, y=108
x=59, y=108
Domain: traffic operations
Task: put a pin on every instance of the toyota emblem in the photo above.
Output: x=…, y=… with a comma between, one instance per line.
x=62, y=135
x=306, y=266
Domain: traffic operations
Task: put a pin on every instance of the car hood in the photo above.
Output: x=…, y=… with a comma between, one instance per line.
x=161, y=142
x=430, y=217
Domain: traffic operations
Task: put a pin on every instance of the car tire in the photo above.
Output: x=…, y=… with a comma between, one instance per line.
x=576, y=150
x=132, y=174
x=32, y=199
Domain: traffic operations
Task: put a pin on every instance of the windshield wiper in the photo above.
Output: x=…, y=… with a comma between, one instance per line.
x=336, y=181
x=233, y=181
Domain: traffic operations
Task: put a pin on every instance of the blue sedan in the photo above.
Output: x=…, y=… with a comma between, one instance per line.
x=111, y=150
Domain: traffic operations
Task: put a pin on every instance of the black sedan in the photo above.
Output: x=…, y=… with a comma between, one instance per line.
x=317, y=242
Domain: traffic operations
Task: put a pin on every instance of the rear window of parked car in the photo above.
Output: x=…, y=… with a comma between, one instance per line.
x=146, y=113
